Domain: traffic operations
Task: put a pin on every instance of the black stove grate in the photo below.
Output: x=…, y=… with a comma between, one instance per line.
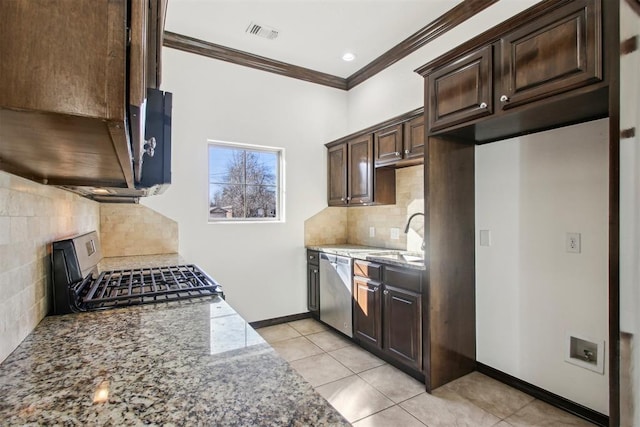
x=144, y=286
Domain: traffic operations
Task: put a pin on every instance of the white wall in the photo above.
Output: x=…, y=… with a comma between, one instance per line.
x=498, y=332
x=261, y=266
x=531, y=191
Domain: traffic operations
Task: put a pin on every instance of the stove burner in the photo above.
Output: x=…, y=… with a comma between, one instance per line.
x=143, y=286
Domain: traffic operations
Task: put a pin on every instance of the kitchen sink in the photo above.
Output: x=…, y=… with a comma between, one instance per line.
x=405, y=257
x=412, y=258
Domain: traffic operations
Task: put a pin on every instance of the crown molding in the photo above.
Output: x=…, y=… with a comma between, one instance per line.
x=431, y=31
x=223, y=53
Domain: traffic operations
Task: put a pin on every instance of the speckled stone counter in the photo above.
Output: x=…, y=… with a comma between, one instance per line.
x=369, y=253
x=195, y=363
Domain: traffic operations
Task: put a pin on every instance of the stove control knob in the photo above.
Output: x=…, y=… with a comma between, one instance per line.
x=150, y=146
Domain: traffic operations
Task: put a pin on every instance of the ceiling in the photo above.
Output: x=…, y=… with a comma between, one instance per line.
x=311, y=33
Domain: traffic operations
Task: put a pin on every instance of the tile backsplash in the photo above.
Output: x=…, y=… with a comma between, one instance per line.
x=128, y=229
x=329, y=226
x=352, y=225
x=31, y=217
x=409, y=200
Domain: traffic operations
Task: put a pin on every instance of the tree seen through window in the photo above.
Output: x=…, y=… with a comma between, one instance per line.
x=243, y=182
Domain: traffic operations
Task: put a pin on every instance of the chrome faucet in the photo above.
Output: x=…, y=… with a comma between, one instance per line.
x=406, y=228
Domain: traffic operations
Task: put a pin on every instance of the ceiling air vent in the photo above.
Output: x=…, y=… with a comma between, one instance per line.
x=262, y=31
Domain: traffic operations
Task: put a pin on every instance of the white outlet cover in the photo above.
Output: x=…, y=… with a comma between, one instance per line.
x=372, y=232
x=395, y=233
x=573, y=243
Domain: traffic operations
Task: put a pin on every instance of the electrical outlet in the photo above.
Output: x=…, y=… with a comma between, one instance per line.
x=395, y=234
x=573, y=243
x=372, y=232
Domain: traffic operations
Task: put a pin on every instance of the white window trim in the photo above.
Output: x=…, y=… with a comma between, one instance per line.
x=281, y=181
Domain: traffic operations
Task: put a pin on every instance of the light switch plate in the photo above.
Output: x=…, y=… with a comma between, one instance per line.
x=372, y=232
x=485, y=237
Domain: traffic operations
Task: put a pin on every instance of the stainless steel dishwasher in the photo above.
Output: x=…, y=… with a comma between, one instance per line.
x=336, y=309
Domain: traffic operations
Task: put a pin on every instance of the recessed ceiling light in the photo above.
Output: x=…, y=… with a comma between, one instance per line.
x=348, y=57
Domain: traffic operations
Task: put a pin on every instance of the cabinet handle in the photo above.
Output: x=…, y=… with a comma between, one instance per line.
x=397, y=153
x=310, y=256
x=386, y=292
x=504, y=98
x=342, y=199
x=406, y=151
x=315, y=271
x=349, y=198
x=483, y=105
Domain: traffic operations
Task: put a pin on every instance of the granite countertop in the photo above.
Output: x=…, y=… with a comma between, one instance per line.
x=193, y=362
x=370, y=253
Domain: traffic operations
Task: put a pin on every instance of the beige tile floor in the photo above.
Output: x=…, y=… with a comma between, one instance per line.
x=371, y=393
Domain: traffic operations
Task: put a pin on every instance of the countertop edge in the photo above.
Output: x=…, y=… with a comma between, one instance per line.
x=369, y=253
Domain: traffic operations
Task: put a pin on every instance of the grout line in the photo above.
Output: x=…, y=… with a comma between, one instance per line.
x=357, y=374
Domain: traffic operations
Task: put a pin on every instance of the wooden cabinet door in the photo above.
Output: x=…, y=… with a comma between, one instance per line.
x=414, y=138
x=462, y=90
x=367, y=319
x=337, y=175
x=558, y=52
x=313, y=289
x=403, y=325
x=360, y=179
x=64, y=57
x=387, y=145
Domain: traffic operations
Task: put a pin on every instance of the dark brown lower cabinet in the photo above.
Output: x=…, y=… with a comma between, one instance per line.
x=367, y=319
x=387, y=315
x=402, y=318
x=313, y=284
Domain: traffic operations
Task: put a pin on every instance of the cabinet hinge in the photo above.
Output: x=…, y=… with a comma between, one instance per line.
x=628, y=133
x=629, y=45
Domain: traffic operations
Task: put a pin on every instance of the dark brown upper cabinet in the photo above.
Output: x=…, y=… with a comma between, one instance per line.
x=360, y=170
x=337, y=175
x=553, y=54
x=73, y=75
x=461, y=91
x=388, y=144
x=414, y=137
x=401, y=144
x=352, y=179
x=539, y=70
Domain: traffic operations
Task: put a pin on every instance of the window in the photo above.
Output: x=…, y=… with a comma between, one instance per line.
x=245, y=182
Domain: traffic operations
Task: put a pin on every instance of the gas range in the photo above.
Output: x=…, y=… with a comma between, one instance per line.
x=78, y=284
